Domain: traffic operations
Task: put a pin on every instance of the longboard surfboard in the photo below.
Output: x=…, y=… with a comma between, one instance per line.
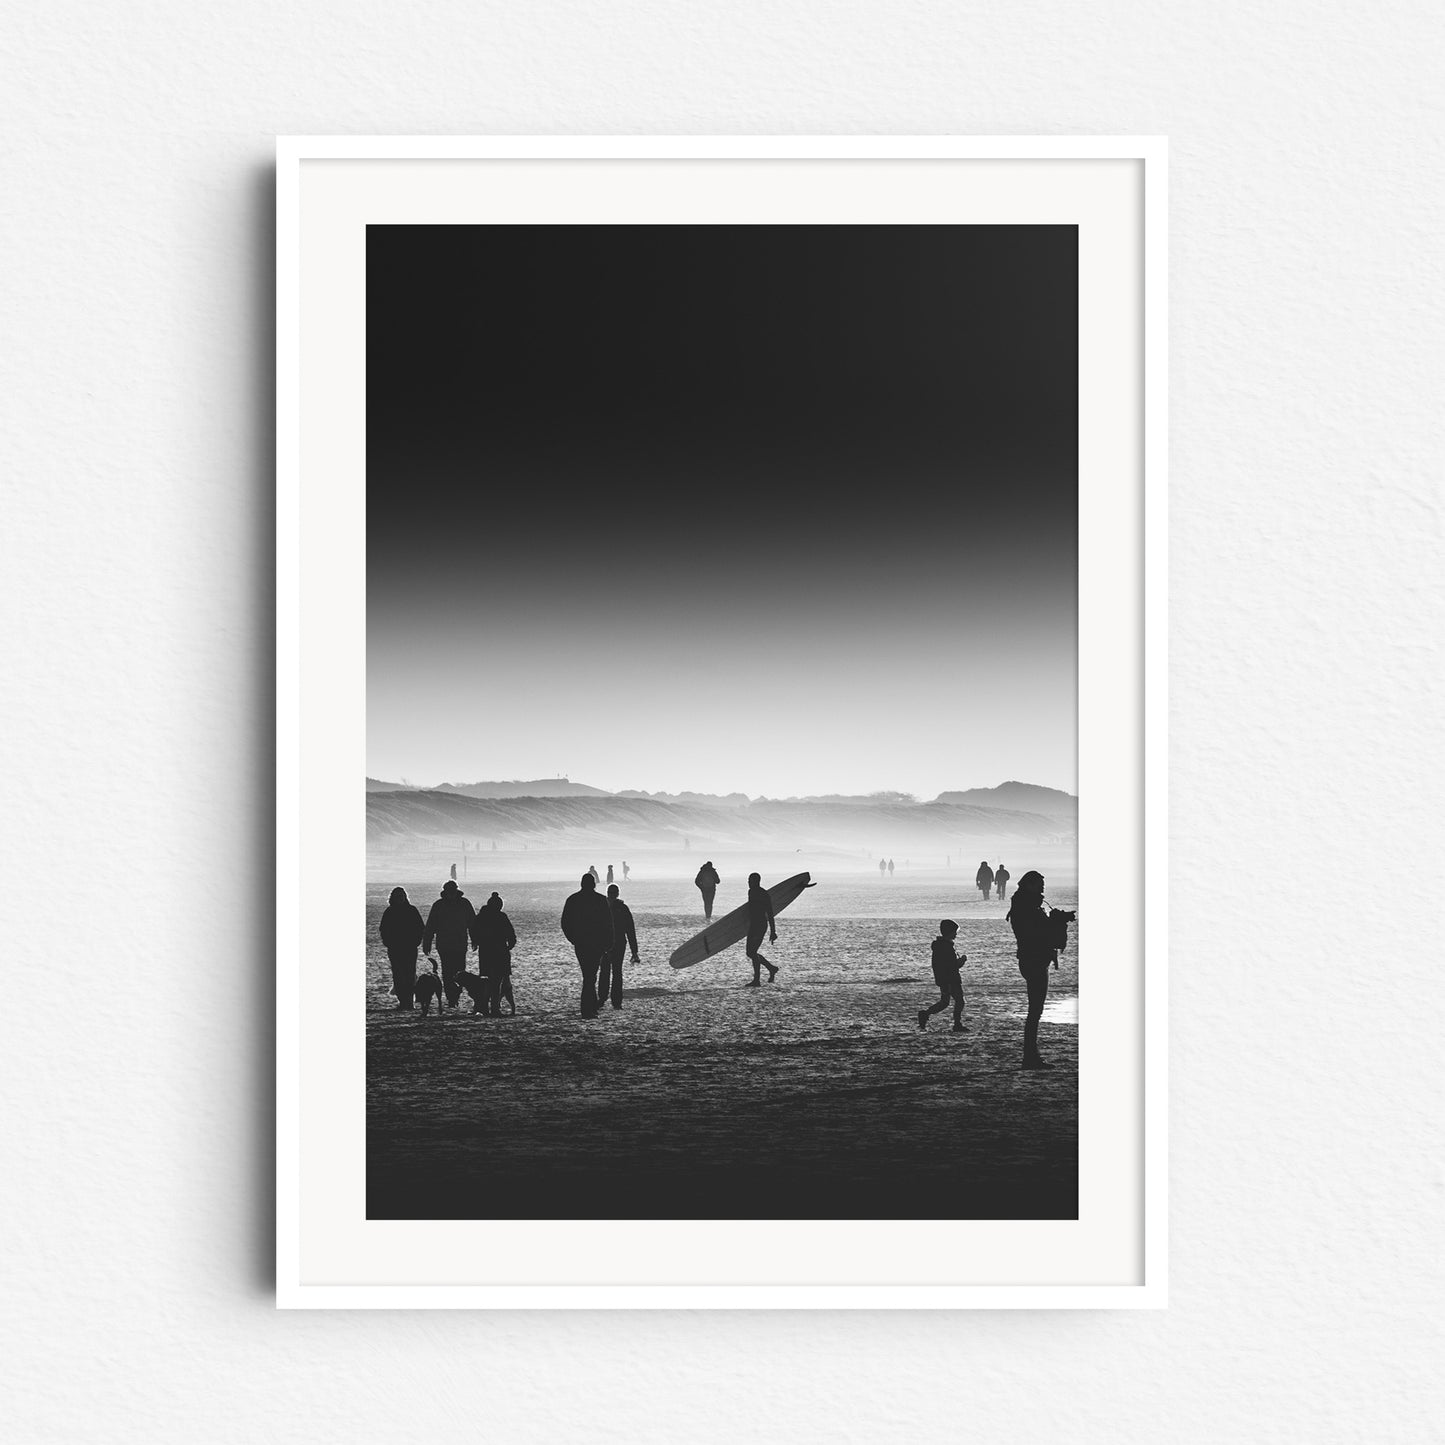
x=723, y=932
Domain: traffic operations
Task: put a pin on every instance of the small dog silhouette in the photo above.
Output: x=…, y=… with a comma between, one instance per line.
x=429, y=987
x=478, y=988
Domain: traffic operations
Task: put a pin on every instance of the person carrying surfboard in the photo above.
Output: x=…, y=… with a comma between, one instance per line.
x=760, y=917
x=707, y=881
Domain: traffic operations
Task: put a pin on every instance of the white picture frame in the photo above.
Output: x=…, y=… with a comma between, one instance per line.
x=1115, y=190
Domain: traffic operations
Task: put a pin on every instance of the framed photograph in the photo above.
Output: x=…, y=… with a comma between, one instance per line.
x=721, y=722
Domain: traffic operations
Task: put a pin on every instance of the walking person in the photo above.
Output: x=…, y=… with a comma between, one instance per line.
x=984, y=879
x=890, y=867
x=587, y=926
x=401, y=933
x=1000, y=882
x=946, y=965
x=1036, y=935
x=495, y=938
x=626, y=871
x=609, y=873
x=707, y=881
x=596, y=876
x=760, y=918
x=624, y=932
x=882, y=867
x=449, y=925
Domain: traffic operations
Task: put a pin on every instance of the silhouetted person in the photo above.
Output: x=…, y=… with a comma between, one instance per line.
x=587, y=926
x=596, y=876
x=625, y=870
x=760, y=918
x=495, y=938
x=624, y=932
x=401, y=932
x=1000, y=882
x=882, y=867
x=1036, y=951
x=984, y=879
x=890, y=867
x=449, y=923
x=707, y=881
x=609, y=873
x=946, y=965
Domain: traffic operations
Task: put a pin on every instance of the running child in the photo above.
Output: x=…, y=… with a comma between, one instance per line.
x=946, y=965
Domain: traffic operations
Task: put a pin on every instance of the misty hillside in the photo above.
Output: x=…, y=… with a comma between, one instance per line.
x=375, y=785
x=602, y=821
x=1021, y=797
x=711, y=800
x=518, y=788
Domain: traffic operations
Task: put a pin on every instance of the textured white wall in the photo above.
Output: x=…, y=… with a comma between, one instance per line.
x=134, y=869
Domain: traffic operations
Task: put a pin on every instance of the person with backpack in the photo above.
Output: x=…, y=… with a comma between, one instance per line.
x=401, y=934
x=707, y=881
x=946, y=965
x=984, y=879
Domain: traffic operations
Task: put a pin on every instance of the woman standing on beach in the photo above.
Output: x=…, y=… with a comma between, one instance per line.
x=1036, y=951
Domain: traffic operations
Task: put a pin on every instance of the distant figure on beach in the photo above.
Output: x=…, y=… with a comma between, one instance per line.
x=401, y=934
x=882, y=867
x=587, y=926
x=946, y=965
x=760, y=917
x=624, y=932
x=890, y=867
x=1000, y=881
x=495, y=938
x=449, y=924
x=1036, y=937
x=984, y=879
x=625, y=870
x=596, y=876
x=609, y=873
x=707, y=881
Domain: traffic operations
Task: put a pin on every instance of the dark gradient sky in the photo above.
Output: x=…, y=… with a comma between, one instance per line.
x=776, y=509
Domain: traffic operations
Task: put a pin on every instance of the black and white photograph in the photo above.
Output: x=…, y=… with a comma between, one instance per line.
x=722, y=722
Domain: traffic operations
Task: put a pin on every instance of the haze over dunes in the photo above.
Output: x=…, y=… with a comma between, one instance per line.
x=494, y=813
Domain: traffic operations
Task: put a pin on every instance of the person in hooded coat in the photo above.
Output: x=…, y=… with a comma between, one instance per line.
x=624, y=932
x=707, y=881
x=495, y=938
x=984, y=879
x=1036, y=952
x=401, y=931
x=587, y=926
x=449, y=925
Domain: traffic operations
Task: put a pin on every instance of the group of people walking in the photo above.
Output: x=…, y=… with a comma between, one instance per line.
x=602, y=931
x=995, y=878
x=455, y=927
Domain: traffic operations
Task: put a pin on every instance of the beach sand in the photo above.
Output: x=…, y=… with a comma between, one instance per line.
x=813, y=1097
